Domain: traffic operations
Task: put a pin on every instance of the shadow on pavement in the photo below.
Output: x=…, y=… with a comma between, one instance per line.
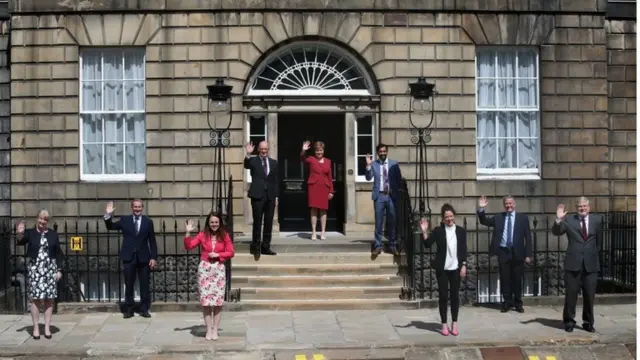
x=29, y=329
x=432, y=326
x=195, y=330
x=552, y=323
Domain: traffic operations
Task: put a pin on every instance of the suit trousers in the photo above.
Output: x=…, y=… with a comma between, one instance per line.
x=511, y=277
x=574, y=281
x=262, y=209
x=143, y=271
x=448, y=288
x=385, y=204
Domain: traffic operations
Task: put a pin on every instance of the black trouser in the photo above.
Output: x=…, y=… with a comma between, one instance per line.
x=448, y=287
x=262, y=208
x=142, y=270
x=511, y=276
x=574, y=281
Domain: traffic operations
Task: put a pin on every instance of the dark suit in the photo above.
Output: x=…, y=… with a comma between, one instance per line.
x=385, y=201
x=448, y=280
x=581, y=264
x=138, y=248
x=263, y=192
x=31, y=238
x=510, y=259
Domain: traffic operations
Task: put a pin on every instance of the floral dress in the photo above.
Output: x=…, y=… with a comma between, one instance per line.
x=212, y=281
x=42, y=273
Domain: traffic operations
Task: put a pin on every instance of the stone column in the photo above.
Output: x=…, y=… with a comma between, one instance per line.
x=272, y=137
x=351, y=167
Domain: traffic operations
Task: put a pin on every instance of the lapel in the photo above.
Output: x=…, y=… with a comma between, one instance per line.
x=459, y=237
x=590, y=226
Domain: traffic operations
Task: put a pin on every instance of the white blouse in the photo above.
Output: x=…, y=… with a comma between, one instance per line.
x=451, y=262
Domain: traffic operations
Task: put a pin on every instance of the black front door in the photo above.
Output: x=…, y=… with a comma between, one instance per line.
x=293, y=130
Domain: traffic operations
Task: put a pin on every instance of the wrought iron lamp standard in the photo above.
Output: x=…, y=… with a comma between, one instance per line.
x=422, y=94
x=218, y=106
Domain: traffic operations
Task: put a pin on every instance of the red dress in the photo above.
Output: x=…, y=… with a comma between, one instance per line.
x=320, y=182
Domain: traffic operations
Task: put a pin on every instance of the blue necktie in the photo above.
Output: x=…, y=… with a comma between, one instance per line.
x=509, y=228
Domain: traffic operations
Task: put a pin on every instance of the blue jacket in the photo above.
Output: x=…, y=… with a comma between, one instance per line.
x=395, y=178
x=143, y=244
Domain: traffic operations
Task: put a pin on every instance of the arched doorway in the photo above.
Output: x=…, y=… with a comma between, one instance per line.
x=313, y=90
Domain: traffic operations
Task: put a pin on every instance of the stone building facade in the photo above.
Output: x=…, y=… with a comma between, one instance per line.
x=109, y=104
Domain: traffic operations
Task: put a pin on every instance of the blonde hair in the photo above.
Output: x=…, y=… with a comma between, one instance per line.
x=318, y=145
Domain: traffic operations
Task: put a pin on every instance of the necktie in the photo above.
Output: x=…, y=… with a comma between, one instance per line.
x=509, y=228
x=264, y=166
x=136, y=223
x=585, y=235
x=385, y=179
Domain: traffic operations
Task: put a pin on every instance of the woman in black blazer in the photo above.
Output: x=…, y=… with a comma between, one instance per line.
x=44, y=268
x=450, y=263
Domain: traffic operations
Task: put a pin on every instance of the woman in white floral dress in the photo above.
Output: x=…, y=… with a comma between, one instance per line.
x=216, y=247
x=44, y=269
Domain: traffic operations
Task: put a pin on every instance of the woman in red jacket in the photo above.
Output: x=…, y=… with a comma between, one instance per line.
x=215, y=248
x=320, y=184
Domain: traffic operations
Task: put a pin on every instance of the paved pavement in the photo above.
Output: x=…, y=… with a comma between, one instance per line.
x=317, y=335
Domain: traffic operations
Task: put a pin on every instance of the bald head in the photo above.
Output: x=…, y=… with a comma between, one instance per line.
x=263, y=148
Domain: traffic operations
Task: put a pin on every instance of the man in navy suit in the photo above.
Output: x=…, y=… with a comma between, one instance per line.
x=138, y=254
x=511, y=243
x=386, y=177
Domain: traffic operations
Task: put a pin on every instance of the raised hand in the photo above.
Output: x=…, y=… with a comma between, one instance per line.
x=306, y=145
x=190, y=226
x=20, y=229
x=424, y=225
x=249, y=147
x=369, y=159
x=561, y=212
x=109, y=209
x=483, y=202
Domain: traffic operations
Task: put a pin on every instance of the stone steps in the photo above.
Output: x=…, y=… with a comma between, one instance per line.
x=319, y=258
x=314, y=269
x=319, y=293
x=329, y=304
x=324, y=281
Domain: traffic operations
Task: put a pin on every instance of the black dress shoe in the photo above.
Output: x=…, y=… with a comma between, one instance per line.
x=394, y=251
x=588, y=328
x=145, y=315
x=47, y=336
x=568, y=328
x=505, y=308
x=128, y=315
x=376, y=251
x=520, y=309
x=268, y=252
x=252, y=249
x=36, y=337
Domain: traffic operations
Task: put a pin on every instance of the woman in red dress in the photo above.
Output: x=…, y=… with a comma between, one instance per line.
x=320, y=184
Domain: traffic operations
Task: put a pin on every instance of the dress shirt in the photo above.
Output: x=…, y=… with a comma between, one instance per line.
x=503, y=242
x=451, y=261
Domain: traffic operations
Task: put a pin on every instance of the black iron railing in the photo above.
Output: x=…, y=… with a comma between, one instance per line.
x=545, y=275
x=94, y=274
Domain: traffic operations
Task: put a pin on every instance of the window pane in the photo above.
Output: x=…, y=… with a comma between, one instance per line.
x=112, y=62
x=114, y=159
x=527, y=64
x=527, y=124
x=486, y=63
x=486, y=153
x=507, y=153
x=365, y=125
x=91, y=65
x=92, y=159
x=134, y=95
x=365, y=145
x=362, y=165
x=486, y=93
x=134, y=65
x=527, y=93
x=507, y=125
x=91, y=128
x=506, y=64
x=135, y=128
x=506, y=93
x=113, y=128
x=486, y=124
x=257, y=125
x=113, y=99
x=91, y=96
x=528, y=154
x=256, y=140
x=136, y=158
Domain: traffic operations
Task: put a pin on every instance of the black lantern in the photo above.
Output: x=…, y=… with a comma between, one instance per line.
x=219, y=105
x=422, y=97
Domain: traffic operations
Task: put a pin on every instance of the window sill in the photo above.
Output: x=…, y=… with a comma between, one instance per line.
x=131, y=178
x=508, y=177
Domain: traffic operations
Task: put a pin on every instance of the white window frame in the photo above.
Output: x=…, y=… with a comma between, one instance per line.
x=494, y=278
x=513, y=173
x=110, y=177
x=247, y=172
x=96, y=288
x=374, y=123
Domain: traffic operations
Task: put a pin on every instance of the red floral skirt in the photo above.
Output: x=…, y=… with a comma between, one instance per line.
x=212, y=282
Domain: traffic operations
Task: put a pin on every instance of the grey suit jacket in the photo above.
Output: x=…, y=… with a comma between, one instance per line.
x=579, y=251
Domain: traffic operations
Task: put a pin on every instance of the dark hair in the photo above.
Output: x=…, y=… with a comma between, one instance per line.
x=445, y=208
x=318, y=145
x=380, y=146
x=221, y=233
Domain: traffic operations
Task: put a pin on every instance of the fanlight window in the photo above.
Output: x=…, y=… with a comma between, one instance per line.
x=311, y=69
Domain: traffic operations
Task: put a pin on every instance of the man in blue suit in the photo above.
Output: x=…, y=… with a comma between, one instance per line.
x=386, y=177
x=511, y=243
x=138, y=254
